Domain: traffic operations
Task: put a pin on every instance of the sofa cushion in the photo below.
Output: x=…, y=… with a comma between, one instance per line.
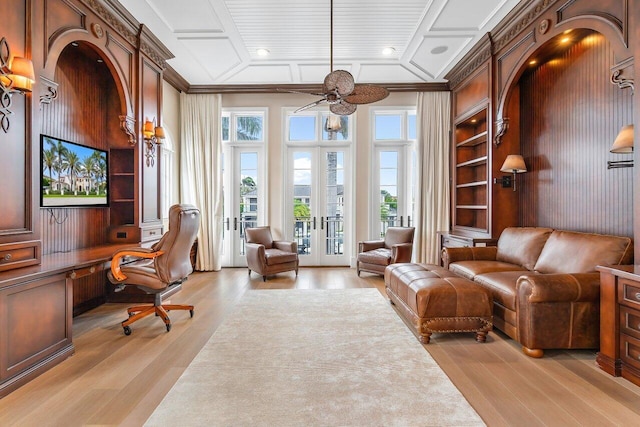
x=573, y=252
x=381, y=256
x=469, y=269
x=522, y=245
x=502, y=286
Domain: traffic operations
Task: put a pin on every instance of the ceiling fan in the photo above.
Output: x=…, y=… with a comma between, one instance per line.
x=340, y=91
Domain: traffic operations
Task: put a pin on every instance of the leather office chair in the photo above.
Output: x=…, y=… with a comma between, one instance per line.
x=375, y=255
x=165, y=263
x=266, y=256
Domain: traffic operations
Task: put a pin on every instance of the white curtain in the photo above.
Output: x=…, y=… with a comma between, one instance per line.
x=201, y=172
x=432, y=195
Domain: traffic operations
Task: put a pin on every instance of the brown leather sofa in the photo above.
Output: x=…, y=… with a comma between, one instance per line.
x=545, y=289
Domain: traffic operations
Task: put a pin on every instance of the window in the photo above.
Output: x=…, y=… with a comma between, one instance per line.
x=394, y=134
x=310, y=127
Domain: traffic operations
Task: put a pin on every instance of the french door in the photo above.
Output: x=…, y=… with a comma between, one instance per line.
x=243, y=182
x=317, y=204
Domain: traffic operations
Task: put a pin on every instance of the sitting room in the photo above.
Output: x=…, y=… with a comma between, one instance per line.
x=238, y=212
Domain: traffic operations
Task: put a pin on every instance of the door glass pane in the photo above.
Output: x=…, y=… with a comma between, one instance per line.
x=225, y=128
x=302, y=128
x=388, y=189
x=411, y=126
x=388, y=126
x=333, y=224
x=302, y=201
x=248, y=194
x=249, y=128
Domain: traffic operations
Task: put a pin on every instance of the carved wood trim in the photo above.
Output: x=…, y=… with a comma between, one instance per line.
x=52, y=91
x=127, y=125
x=620, y=74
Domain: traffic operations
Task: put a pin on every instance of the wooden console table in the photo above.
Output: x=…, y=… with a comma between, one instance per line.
x=619, y=353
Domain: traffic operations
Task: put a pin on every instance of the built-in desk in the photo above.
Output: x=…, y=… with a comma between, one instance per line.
x=36, y=311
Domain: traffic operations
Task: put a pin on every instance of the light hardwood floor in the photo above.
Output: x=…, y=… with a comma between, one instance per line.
x=113, y=379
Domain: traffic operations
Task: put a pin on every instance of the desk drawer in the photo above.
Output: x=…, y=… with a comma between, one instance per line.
x=152, y=233
x=629, y=293
x=17, y=255
x=630, y=350
x=630, y=322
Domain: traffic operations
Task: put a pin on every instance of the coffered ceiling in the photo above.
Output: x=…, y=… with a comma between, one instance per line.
x=217, y=42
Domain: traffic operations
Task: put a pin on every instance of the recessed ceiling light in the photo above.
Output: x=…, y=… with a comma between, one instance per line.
x=565, y=40
x=262, y=52
x=100, y=61
x=533, y=62
x=388, y=50
x=74, y=44
x=439, y=49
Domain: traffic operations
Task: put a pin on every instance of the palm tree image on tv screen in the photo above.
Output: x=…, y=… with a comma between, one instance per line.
x=72, y=174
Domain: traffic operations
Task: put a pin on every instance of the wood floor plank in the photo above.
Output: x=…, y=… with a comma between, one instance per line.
x=113, y=379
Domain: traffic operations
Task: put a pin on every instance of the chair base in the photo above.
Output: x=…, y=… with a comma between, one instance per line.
x=140, y=311
x=264, y=276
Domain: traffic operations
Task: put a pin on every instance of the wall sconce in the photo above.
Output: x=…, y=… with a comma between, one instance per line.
x=514, y=163
x=15, y=77
x=622, y=144
x=153, y=135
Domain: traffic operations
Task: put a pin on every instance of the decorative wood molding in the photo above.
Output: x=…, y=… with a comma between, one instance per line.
x=510, y=29
x=501, y=126
x=152, y=47
x=5, y=91
x=172, y=77
x=276, y=88
x=127, y=125
x=622, y=74
x=477, y=56
x=52, y=91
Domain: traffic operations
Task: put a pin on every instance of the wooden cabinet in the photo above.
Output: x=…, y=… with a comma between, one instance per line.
x=471, y=175
x=619, y=353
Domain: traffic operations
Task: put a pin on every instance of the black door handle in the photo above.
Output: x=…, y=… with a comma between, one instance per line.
x=235, y=224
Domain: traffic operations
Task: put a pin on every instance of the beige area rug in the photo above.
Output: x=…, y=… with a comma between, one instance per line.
x=314, y=358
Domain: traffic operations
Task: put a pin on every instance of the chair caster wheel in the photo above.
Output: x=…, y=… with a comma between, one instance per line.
x=191, y=313
x=168, y=327
x=127, y=330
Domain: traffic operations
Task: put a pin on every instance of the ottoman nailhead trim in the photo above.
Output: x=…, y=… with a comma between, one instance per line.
x=425, y=325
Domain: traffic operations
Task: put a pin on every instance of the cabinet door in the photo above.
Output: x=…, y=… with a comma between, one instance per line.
x=35, y=323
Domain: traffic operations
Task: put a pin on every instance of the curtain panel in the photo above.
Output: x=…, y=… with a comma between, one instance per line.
x=433, y=123
x=201, y=172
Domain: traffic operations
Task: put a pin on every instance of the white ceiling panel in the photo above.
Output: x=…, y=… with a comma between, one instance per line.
x=192, y=16
x=429, y=56
x=216, y=55
x=255, y=74
x=384, y=73
x=476, y=14
x=216, y=41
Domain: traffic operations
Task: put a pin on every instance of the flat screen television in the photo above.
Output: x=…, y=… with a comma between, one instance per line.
x=73, y=175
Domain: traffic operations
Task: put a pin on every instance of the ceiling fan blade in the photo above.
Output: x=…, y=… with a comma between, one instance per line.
x=343, y=108
x=365, y=94
x=300, y=92
x=313, y=104
x=339, y=80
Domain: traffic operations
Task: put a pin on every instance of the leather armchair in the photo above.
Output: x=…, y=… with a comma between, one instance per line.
x=375, y=255
x=154, y=269
x=266, y=256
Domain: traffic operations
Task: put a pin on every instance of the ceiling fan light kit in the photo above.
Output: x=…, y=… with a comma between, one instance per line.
x=340, y=91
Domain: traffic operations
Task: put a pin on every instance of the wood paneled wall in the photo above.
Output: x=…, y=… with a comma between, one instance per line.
x=80, y=115
x=570, y=115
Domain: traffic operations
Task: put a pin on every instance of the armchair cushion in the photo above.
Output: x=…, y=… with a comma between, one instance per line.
x=260, y=235
x=380, y=256
x=396, y=235
x=277, y=256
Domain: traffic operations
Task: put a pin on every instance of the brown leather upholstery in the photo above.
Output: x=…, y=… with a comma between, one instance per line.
x=431, y=299
x=396, y=247
x=165, y=263
x=266, y=256
x=555, y=303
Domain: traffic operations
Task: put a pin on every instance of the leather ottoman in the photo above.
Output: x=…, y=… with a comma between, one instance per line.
x=430, y=298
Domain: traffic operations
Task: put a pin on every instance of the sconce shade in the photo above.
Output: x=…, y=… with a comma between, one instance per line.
x=159, y=133
x=333, y=124
x=22, y=74
x=514, y=163
x=624, y=141
x=147, y=130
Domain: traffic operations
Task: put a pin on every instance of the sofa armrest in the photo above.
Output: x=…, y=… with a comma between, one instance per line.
x=559, y=288
x=285, y=245
x=369, y=245
x=401, y=252
x=479, y=253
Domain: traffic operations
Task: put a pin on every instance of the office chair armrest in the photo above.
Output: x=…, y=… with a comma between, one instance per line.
x=135, y=252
